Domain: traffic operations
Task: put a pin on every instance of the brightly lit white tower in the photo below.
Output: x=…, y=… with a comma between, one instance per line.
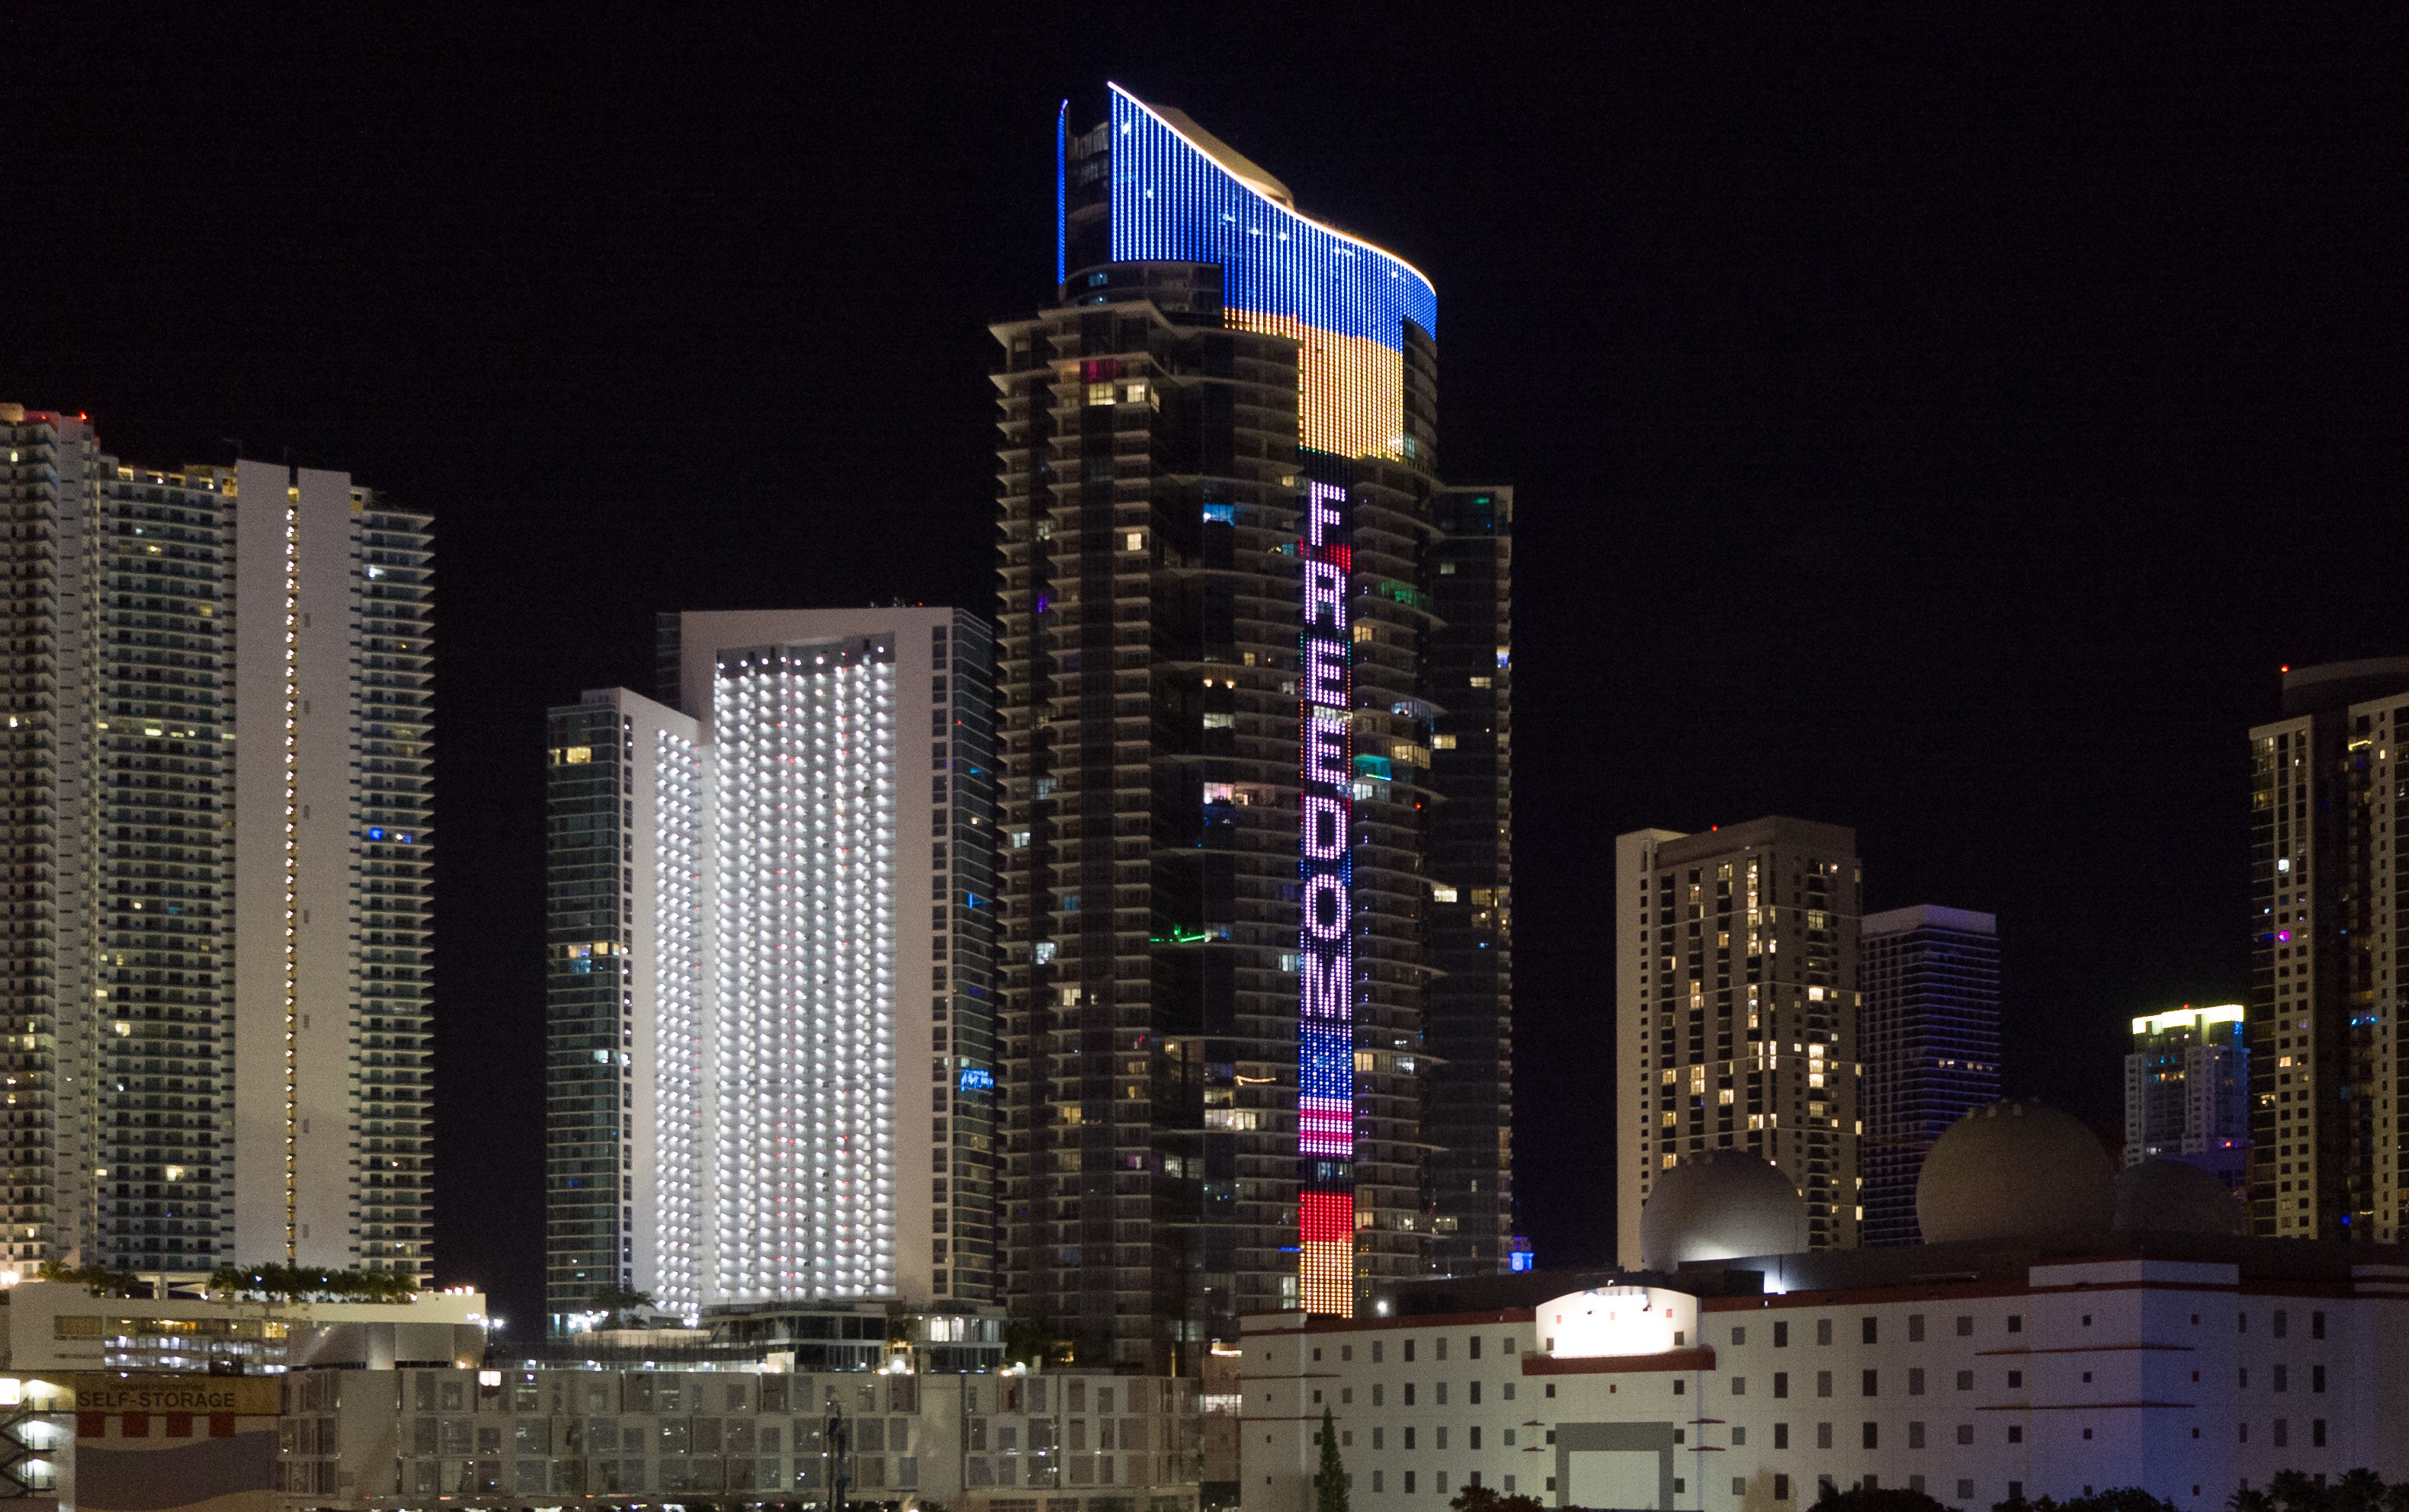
x=739, y=1107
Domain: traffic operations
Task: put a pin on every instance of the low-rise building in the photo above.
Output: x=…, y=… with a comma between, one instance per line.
x=412, y=1439
x=2037, y=1346
x=49, y=1327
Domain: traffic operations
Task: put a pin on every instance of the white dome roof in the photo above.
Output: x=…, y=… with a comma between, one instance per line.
x=1720, y=1204
x=2016, y=1170
x=2174, y=1197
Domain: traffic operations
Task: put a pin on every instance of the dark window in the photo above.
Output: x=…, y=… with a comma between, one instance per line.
x=2015, y=1322
x=1780, y=1336
x=1965, y=1326
x=1823, y=1331
x=2283, y=1378
x=2317, y=1433
x=1965, y=1432
x=1780, y=1383
x=1781, y=1487
x=2283, y=1322
x=2316, y=1378
x=2015, y=1434
x=2316, y=1325
x=1781, y=1435
x=1873, y=1383
x=1471, y=1348
x=1866, y=1327
x=1873, y=1436
x=1915, y=1328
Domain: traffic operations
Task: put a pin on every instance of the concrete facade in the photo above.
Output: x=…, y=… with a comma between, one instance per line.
x=1974, y=1375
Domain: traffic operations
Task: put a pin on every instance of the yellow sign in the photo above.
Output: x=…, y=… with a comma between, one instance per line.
x=245, y=1395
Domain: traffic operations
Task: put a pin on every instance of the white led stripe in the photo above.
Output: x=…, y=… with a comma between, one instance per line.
x=678, y=1024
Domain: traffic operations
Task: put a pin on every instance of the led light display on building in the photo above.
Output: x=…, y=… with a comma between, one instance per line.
x=1343, y=301
x=1178, y=196
x=1325, y=1085
x=805, y=1079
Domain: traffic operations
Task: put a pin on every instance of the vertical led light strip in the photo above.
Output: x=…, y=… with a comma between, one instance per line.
x=1061, y=193
x=1325, y=1100
x=292, y=873
x=677, y=1029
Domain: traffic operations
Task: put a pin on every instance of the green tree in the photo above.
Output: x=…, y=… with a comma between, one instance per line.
x=2245, y=1500
x=615, y=1302
x=98, y=1280
x=1875, y=1499
x=1030, y=1343
x=1330, y=1480
x=306, y=1283
x=1482, y=1499
x=2359, y=1491
x=2294, y=1492
x=2118, y=1499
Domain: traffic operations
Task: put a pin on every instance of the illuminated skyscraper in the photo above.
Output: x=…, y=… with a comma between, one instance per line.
x=2329, y=875
x=2187, y=1091
x=218, y=839
x=1254, y=670
x=1735, y=1011
x=741, y=985
x=1930, y=1037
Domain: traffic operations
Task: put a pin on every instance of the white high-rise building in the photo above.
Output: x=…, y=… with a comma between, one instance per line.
x=216, y=832
x=742, y=983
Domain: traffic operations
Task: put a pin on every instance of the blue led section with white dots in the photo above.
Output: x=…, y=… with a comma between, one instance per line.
x=1172, y=203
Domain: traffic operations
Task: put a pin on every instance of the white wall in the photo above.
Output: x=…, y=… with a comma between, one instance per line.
x=2138, y=1330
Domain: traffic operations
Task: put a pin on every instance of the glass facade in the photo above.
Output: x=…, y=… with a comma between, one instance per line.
x=1930, y=1044
x=587, y=1160
x=1216, y=662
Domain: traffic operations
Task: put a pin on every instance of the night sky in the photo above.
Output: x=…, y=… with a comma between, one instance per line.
x=1946, y=432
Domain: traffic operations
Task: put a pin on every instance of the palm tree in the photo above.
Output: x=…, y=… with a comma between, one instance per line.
x=2294, y=1492
x=2359, y=1491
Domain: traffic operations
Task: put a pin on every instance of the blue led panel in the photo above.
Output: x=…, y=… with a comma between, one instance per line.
x=1171, y=202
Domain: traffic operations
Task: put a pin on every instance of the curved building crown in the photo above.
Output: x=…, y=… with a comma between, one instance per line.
x=1178, y=195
